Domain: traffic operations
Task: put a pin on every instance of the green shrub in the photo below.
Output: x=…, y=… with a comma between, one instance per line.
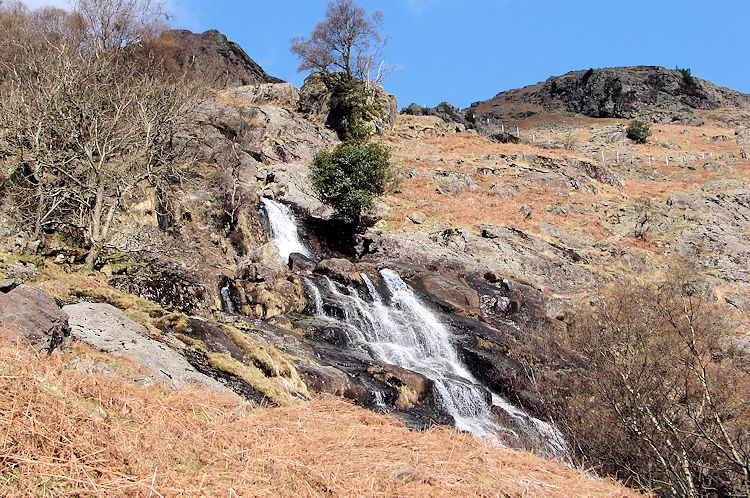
x=686, y=76
x=350, y=177
x=638, y=131
x=351, y=114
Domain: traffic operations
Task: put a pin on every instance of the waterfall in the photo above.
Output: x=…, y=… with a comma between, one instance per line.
x=398, y=329
x=317, y=297
x=227, y=299
x=283, y=229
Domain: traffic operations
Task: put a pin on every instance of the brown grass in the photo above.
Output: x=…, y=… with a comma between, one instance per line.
x=463, y=153
x=66, y=433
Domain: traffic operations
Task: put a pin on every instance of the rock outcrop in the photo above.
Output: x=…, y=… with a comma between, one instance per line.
x=315, y=96
x=213, y=57
x=107, y=328
x=30, y=316
x=444, y=111
x=648, y=92
x=263, y=287
x=283, y=95
x=254, y=134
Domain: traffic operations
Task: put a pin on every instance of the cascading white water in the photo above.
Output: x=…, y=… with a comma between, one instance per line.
x=317, y=297
x=283, y=228
x=400, y=330
x=227, y=299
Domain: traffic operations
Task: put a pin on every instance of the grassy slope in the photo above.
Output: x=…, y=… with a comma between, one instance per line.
x=66, y=430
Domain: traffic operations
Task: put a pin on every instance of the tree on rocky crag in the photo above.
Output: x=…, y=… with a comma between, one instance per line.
x=348, y=40
x=357, y=170
x=84, y=122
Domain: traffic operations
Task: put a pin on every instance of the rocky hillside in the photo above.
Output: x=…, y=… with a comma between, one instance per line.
x=498, y=242
x=573, y=205
x=648, y=92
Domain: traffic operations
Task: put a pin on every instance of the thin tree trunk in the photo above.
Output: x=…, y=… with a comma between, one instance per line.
x=96, y=229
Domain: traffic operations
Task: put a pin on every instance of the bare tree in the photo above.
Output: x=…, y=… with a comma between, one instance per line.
x=652, y=392
x=347, y=40
x=81, y=132
x=112, y=24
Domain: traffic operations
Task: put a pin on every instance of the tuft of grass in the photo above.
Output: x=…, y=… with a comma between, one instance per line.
x=175, y=320
x=195, y=343
x=271, y=387
x=268, y=359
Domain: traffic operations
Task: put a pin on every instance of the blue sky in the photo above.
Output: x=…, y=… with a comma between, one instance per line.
x=462, y=51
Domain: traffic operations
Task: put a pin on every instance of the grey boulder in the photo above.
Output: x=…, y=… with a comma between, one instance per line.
x=107, y=328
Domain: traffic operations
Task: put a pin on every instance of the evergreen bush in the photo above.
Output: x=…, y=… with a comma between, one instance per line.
x=638, y=131
x=350, y=177
x=686, y=75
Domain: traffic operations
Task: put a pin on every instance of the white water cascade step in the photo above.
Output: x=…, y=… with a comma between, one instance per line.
x=398, y=329
x=283, y=228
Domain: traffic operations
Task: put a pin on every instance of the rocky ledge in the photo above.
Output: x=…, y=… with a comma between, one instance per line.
x=650, y=92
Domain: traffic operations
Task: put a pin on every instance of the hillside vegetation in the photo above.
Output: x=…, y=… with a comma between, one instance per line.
x=83, y=423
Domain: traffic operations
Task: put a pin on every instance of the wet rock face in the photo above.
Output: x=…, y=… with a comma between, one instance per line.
x=488, y=353
x=30, y=316
x=486, y=328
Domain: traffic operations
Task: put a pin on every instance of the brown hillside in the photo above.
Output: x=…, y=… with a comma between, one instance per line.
x=77, y=423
